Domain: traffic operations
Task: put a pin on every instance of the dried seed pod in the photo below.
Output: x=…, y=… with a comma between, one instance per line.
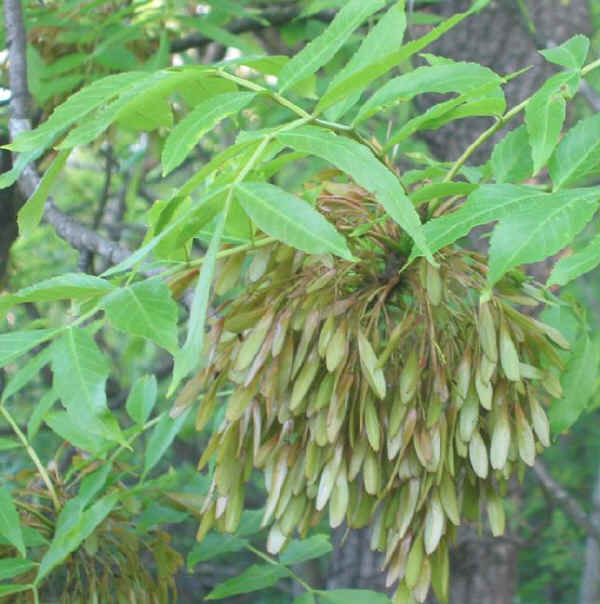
x=495, y=512
x=433, y=284
x=328, y=478
x=500, y=439
x=372, y=425
x=229, y=275
x=327, y=331
x=539, y=420
x=468, y=416
x=337, y=349
x=509, y=357
x=409, y=378
x=487, y=332
x=303, y=382
x=478, y=455
x=449, y=500
x=415, y=562
x=339, y=498
x=253, y=342
x=368, y=362
x=435, y=523
x=525, y=440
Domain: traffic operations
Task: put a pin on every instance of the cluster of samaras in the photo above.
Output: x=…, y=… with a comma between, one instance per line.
x=383, y=397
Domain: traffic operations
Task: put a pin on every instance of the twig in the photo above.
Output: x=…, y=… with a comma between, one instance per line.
x=86, y=258
x=569, y=505
x=270, y=17
x=76, y=234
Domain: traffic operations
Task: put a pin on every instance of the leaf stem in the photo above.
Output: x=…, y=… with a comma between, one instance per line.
x=500, y=123
x=33, y=455
x=274, y=562
x=258, y=88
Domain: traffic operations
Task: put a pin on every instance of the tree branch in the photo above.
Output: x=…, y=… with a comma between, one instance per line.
x=569, y=505
x=273, y=16
x=72, y=231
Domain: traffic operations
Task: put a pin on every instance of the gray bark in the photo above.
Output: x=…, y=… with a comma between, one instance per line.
x=590, y=578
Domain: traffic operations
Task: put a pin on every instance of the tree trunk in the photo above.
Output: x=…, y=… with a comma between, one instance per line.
x=590, y=579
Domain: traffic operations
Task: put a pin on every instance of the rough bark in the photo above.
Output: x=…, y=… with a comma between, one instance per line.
x=590, y=578
x=499, y=38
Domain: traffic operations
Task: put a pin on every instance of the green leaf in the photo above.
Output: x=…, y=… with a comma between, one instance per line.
x=570, y=54
x=77, y=286
x=39, y=413
x=11, y=567
x=306, y=598
x=92, y=483
x=257, y=576
x=318, y=52
x=353, y=596
x=489, y=203
x=10, y=523
x=9, y=443
x=74, y=108
x=474, y=103
x=190, y=354
x=511, y=158
x=359, y=79
x=290, y=219
x=31, y=213
x=80, y=371
x=162, y=436
x=69, y=429
x=578, y=383
x=144, y=309
x=299, y=551
x=141, y=399
x=545, y=115
x=13, y=345
x=12, y=588
x=213, y=545
x=442, y=79
x=541, y=230
x=201, y=90
x=441, y=189
x=577, y=156
x=157, y=515
x=581, y=262
x=11, y=176
x=26, y=373
x=72, y=531
x=148, y=91
x=360, y=164
x=204, y=117
x=388, y=31
x=204, y=209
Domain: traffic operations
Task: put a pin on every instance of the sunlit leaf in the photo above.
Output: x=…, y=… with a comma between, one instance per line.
x=31, y=212
x=290, y=219
x=581, y=262
x=161, y=437
x=10, y=523
x=318, y=52
x=359, y=163
x=144, y=309
x=204, y=117
x=571, y=54
x=541, y=230
x=545, y=115
x=257, y=576
x=577, y=156
x=141, y=399
x=578, y=383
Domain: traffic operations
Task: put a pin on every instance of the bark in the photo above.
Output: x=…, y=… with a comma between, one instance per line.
x=590, y=578
x=499, y=38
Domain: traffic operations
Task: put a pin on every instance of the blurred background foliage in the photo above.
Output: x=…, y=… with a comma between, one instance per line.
x=113, y=185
